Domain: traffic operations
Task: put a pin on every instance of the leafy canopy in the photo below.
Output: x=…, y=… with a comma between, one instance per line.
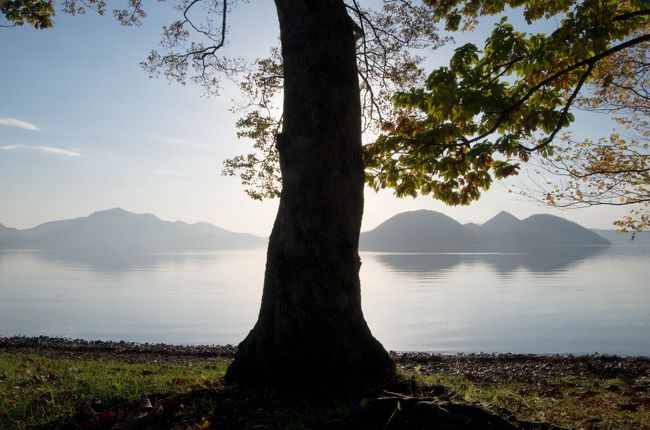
x=612, y=170
x=486, y=112
x=40, y=13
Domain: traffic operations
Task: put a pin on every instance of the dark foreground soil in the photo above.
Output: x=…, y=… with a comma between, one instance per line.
x=409, y=403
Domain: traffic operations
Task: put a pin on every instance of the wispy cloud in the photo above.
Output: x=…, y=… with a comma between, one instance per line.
x=180, y=142
x=58, y=151
x=10, y=147
x=12, y=122
x=45, y=149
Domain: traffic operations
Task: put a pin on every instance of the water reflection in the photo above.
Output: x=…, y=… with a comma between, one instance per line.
x=578, y=300
x=175, y=297
x=113, y=261
x=549, y=259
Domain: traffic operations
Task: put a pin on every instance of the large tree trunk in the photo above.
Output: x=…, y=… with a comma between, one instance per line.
x=310, y=330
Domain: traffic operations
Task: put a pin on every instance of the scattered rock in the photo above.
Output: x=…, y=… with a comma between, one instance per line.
x=126, y=351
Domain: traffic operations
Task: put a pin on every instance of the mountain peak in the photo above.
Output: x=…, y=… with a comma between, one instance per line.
x=562, y=230
x=501, y=221
x=119, y=213
x=505, y=215
x=421, y=218
x=113, y=211
x=417, y=231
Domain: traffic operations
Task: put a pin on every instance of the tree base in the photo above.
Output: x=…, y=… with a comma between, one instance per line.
x=347, y=364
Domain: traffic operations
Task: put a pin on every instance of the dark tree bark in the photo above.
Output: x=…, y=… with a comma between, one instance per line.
x=310, y=331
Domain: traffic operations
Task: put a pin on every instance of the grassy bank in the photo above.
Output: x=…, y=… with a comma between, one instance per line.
x=572, y=401
x=44, y=385
x=36, y=390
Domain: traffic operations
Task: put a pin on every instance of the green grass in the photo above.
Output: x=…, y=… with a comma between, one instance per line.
x=571, y=401
x=36, y=390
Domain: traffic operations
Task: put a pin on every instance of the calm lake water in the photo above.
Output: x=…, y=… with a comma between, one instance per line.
x=566, y=300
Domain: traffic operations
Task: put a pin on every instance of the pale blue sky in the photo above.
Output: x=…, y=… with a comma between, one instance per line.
x=83, y=128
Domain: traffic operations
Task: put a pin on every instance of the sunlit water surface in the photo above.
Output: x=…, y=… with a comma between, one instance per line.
x=581, y=300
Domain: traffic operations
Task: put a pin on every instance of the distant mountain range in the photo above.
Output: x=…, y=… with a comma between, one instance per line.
x=418, y=231
x=429, y=231
x=119, y=229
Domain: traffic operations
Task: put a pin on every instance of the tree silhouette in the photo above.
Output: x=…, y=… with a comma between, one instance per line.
x=471, y=121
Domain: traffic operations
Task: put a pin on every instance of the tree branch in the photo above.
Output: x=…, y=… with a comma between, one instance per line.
x=628, y=15
x=565, y=111
x=591, y=60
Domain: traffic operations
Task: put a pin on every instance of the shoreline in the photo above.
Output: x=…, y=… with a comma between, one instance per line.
x=228, y=350
x=528, y=368
x=61, y=347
